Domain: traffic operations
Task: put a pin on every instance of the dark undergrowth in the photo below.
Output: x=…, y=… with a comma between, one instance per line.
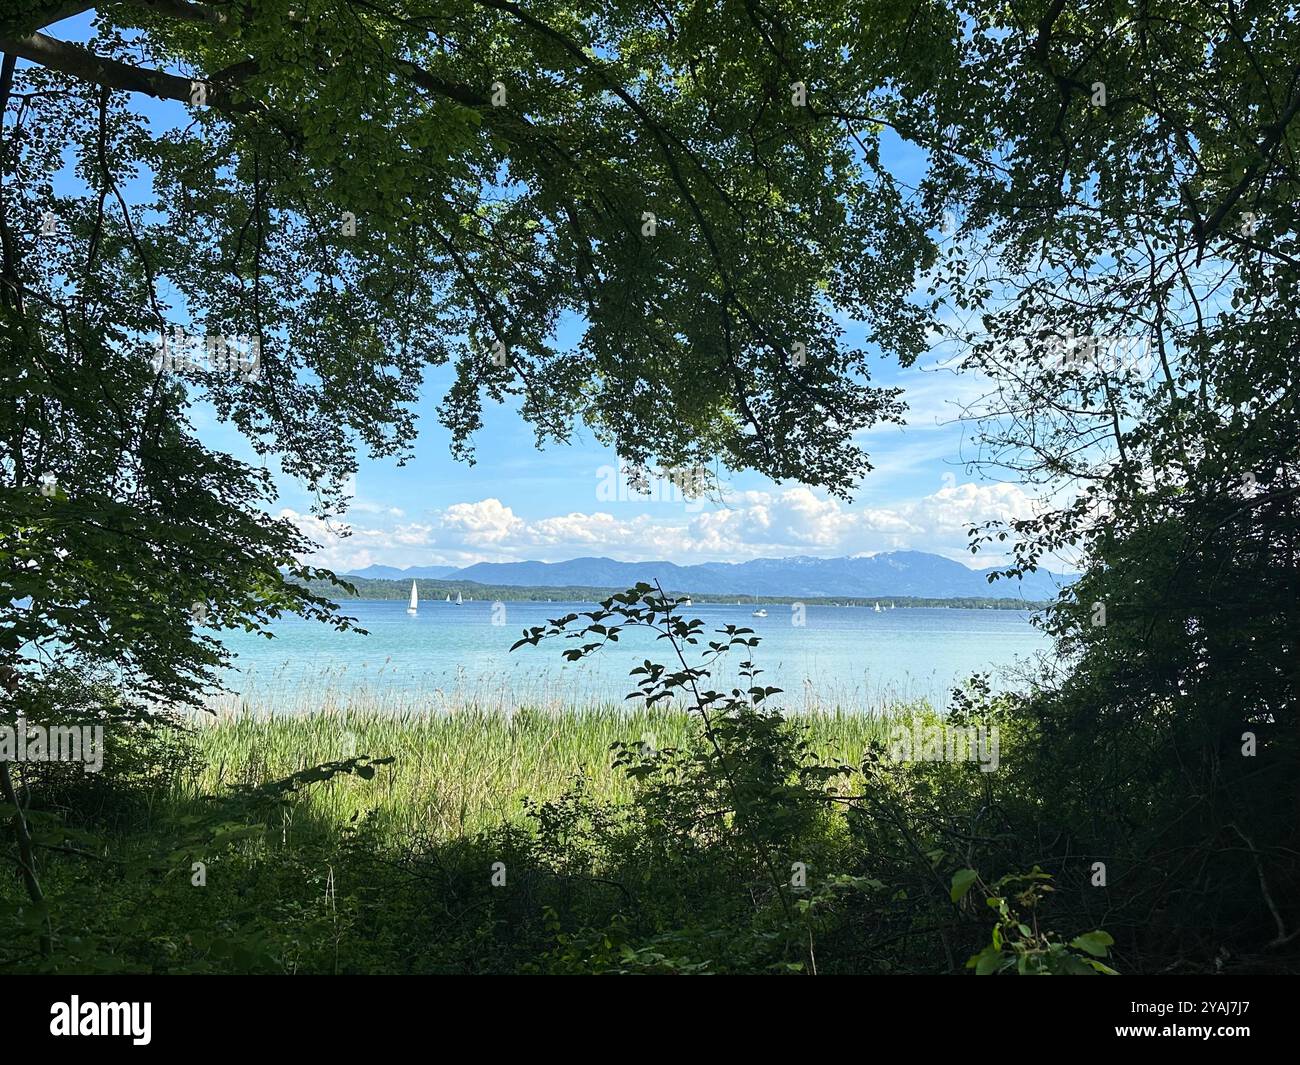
x=739, y=852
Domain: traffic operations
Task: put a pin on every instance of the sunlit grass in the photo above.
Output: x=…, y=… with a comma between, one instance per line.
x=460, y=771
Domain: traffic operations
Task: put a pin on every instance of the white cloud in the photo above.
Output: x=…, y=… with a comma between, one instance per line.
x=952, y=509
x=485, y=522
x=783, y=522
x=361, y=506
x=576, y=528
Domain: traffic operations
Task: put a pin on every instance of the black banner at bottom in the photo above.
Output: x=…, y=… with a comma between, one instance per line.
x=214, y=1014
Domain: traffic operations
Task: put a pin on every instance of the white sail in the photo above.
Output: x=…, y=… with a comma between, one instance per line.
x=415, y=600
x=459, y=600
x=449, y=597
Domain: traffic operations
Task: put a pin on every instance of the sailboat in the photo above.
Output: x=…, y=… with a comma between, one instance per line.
x=449, y=597
x=459, y=601
x=877, y=608
x=415, y=600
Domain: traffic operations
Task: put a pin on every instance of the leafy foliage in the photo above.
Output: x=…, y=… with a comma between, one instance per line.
x=739, y=850
x=1114, y=175
x=1021, y=947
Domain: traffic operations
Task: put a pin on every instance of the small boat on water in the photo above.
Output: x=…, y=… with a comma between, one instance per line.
x=877, y=608
x=459, y=601
x=415, y=601
x=449, y=597
x=760, y=613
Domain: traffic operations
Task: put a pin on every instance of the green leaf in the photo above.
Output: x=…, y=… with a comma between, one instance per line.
x=986, y=962
x=1097, y=944
x=962, y=880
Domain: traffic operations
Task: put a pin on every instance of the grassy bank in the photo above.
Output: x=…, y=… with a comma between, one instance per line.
x=603, y=840
x=489, y=843
x=462, y=772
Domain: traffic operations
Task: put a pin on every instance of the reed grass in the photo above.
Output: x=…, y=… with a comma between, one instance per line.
x=461, y=771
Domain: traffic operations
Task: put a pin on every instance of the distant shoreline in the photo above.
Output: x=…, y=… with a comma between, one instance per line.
x=380, y=589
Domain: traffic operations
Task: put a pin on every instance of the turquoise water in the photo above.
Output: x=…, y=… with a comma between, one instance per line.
x=448, y=656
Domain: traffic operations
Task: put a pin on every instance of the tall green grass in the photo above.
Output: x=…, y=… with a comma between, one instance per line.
x=460, y=772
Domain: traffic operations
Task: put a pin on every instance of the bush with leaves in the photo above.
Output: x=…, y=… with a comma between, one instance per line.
x=1019, y=945
x=743, y=852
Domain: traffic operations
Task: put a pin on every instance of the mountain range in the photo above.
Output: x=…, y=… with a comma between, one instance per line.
x=900, y=573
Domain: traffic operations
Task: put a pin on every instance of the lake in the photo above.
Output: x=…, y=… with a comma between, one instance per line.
x=448, y=656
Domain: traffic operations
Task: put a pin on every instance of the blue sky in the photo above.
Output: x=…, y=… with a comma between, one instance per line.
x=521, y=503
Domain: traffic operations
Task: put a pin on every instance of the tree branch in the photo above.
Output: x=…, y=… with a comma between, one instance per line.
x=84, y=64
x=27, y=862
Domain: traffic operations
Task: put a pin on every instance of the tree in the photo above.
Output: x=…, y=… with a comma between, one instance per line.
x=1127, y=262
x=345, y=193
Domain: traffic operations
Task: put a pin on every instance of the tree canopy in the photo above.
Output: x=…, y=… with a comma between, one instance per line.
x=658, y=221
x=652, y=223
